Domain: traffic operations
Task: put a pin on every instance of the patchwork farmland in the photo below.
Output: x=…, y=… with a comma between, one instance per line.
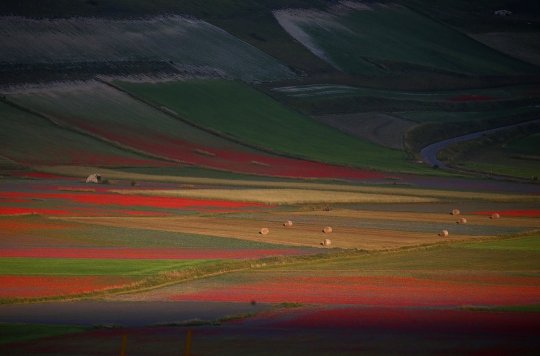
x=259, y=187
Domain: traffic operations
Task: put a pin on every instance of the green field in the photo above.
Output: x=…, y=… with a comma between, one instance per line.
x=93, y=267
x=255, y=118
x=17, y=332
x=359, y=42
x=445, y=116
x=523, y=244
x=457, y=257
x=527, y=145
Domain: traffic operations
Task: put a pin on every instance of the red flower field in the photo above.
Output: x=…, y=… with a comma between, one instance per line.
x=375, y=291
x=146, y=253
x=229, y=158
x=42, y=286
x=131, y=200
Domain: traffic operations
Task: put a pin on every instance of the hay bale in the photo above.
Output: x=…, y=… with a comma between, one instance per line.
x=264, y=231
x=443, y=233
x=455, y=212
x=94, y=178
x=462, y=221
x=495, y=216
x=327, y=229
x=287, y=223
x=326, y=242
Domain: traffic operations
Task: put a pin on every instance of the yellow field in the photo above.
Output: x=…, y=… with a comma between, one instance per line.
x=281, y=196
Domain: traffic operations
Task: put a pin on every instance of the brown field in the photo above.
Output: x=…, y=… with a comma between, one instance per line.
x=525, y=46
x=297, y=235
x=427, y=217
x=381, y=129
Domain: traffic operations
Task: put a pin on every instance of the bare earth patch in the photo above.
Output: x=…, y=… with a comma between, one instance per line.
x=381, y=129
x=524, y=46
x=297, y=235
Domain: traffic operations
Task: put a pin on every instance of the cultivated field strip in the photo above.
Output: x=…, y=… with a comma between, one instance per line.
x=360, y=40
x=300, y=235
x=176, y=39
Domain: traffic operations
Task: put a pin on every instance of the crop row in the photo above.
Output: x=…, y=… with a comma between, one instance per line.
x=373, y=291
x=42, y=286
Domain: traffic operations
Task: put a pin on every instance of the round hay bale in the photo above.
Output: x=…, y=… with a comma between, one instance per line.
x=326, y=242
x=495, y=216
x=327, y=229
x=455, y=212
x=462, y=221
x=287, y=223
x=443, y=233
x=264, y=231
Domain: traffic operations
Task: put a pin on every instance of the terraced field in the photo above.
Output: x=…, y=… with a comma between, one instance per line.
x=368, y=39
x=192, y=46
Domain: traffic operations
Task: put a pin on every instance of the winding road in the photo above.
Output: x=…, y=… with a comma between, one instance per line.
x=429, y=153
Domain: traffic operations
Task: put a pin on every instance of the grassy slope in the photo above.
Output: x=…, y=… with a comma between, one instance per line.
x=15, y=332
x=497, y=153
x=195, y=46
x=91, y=267
x=399, y=34
x=28, y=138
x=240, y=111
x=251, y=21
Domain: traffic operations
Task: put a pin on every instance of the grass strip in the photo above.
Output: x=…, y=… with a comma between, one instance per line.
x=534, y=308
x=17, y=332
x=93, y=267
